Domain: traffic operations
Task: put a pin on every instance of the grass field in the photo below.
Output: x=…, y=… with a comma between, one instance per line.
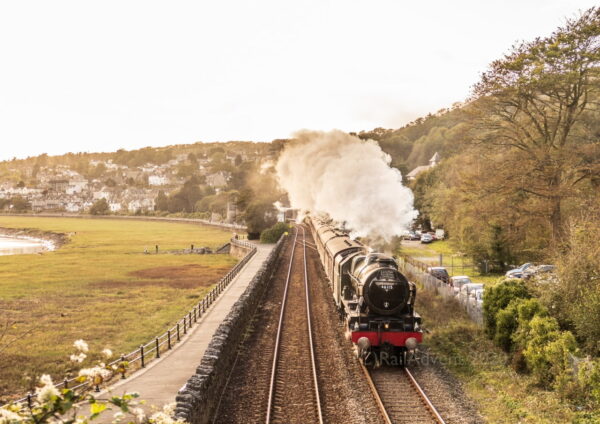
x=99, y=287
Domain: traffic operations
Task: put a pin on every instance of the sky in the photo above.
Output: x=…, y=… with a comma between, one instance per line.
x=94, y=76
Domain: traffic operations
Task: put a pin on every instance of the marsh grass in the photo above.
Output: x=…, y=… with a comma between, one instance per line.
x=99, y=287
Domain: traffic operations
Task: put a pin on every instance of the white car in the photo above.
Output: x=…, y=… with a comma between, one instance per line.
x=476, y=297
x=467, y=289
x=458, y=281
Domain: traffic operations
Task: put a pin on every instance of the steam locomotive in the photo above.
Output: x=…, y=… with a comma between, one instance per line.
x=375, y=300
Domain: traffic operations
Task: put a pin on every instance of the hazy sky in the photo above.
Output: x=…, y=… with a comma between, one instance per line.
x=101, y=75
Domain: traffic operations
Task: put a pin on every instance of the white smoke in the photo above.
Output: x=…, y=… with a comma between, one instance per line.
x=349, y=179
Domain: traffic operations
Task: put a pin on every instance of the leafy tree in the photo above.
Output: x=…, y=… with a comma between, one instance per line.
x=20, y=184
x=20, y=204
x=100, y=207
x=259, y=216
x=531, y=107
x=162, y=201
x=272, y=234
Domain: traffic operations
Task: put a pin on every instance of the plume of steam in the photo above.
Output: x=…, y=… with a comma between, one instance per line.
x=349, y=179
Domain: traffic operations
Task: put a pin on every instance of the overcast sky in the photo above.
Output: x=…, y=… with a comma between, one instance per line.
x=102, y=75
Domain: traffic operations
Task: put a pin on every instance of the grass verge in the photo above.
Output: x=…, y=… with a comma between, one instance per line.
x=502, y=395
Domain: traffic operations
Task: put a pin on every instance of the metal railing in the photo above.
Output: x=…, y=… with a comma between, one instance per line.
x=153, y=349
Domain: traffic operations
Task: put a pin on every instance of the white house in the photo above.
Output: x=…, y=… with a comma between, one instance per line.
x=157, y=180
x=435, y=159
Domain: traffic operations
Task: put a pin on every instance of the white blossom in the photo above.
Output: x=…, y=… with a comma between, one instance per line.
x=94, y=372
x=81, y=345
x=107, y=353
x=47, y=391
x=139, y=413
x=80, y=357
x=8, y=417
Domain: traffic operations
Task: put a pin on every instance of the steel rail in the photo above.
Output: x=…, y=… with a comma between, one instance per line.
x=278, y=337
x=424, y=397
x=310, y=338
x=375, y=393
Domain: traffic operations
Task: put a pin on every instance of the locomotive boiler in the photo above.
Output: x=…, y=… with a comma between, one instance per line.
x=373, y=297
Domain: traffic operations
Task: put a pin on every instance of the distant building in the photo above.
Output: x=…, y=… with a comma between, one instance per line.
x=157, y=180
x=218, y=179
x=435, y=159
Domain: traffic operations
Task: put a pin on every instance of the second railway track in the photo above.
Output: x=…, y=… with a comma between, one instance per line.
x=294, y=390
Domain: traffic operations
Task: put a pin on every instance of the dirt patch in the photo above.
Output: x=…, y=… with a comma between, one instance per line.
x=179, y=277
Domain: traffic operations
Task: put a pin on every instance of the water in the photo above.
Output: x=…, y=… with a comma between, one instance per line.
x=19, y=246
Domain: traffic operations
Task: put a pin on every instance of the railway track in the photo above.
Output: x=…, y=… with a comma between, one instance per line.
x=400, y=398
x=294, y=387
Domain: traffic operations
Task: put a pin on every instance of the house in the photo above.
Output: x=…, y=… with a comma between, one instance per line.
x=58, y=185
x=435, y=159
x=76, y=186
x=218, y=179
x=157, y=180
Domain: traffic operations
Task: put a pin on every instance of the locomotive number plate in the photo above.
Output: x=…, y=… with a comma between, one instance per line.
x=387, y=274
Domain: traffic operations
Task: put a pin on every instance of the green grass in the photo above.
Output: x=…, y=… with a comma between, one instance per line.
x=99, y=287
x=502, y=395
x=455, y=262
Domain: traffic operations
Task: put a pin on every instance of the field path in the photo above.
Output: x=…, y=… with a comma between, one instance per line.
x=160, y=381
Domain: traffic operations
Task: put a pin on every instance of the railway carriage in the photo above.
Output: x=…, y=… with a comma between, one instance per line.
x=375, y=300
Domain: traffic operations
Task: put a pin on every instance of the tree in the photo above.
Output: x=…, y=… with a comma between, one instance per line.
x=100, y=207
x=20, y=184
x=259, y=216
x=162, y=202
x=531, y=106
x=20, y=204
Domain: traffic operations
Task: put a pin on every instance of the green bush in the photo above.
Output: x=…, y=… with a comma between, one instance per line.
x=271, y=235
x=548, y=348
x=497, y=298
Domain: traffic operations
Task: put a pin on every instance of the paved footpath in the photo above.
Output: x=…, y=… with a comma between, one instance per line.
x=162, y=378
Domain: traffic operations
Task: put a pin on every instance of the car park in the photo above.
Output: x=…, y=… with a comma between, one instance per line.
x=440, y=273
x=458, y=281
x=426, y=238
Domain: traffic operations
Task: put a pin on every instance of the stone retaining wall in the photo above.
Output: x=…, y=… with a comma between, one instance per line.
x=198, y=398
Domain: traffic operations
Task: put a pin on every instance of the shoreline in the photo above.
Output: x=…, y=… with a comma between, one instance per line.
x=49, y=241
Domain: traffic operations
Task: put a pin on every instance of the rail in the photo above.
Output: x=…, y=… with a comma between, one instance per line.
x=152, y=350
x=435, y=415
x=279, y=332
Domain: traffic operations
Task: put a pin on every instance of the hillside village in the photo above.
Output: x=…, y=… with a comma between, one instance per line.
x=53, y=184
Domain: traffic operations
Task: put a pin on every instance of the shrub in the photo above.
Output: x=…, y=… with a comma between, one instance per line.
x=100, y=207
x=548, y=350
x=497, y=298
x=271, y=235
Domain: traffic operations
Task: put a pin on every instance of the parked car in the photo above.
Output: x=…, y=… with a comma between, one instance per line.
x=537, y=269
x=440, y=273
x=458, y=281
x=476, y=297
x=411, y=235
x=469, y=288
x=518, y=272
x=426, y=238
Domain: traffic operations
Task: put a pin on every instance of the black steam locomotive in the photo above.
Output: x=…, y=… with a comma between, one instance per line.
x=374, y=298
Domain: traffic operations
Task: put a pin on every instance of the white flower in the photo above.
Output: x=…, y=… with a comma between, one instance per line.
x=78, y=357
x=118, y=416
x=8, y=417
x=169, y=408
x=46, y=380
x=48, y=391
x=81, y=346
x=94, y=372
x=107, y=353
x=139, y=413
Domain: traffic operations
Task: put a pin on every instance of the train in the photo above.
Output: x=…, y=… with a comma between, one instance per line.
x=374, y=299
